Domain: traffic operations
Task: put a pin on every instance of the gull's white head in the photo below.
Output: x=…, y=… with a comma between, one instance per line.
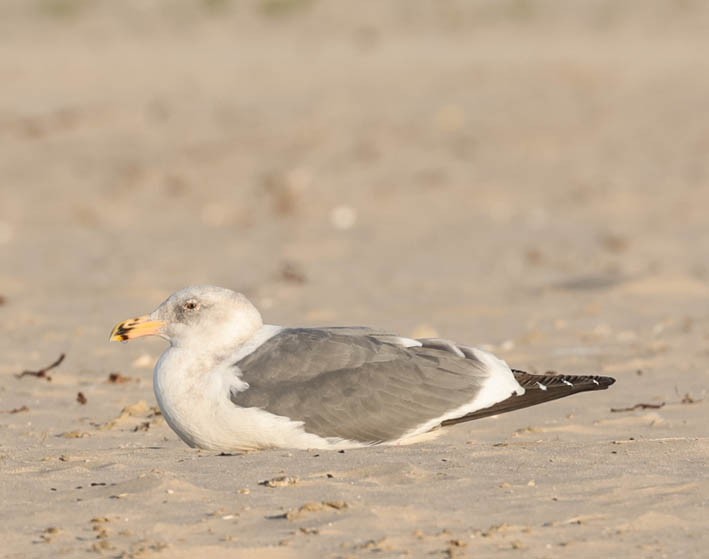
x=201, y=317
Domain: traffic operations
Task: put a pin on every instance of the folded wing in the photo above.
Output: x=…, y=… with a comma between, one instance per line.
x=371, y=387
x=361, y=385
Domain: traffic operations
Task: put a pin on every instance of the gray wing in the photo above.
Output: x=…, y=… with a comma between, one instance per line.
x=357, y=384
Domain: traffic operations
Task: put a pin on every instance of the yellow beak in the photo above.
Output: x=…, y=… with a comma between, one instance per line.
x=136, y=328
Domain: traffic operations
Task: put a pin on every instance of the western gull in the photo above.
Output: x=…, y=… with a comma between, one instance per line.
x=229, y=382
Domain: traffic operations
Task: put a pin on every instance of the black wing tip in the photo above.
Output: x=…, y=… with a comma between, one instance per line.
x=600, y=381
x=538, y=390
x=588, y=382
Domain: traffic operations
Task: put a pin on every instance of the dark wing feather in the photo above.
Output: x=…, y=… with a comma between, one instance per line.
x=352, y=385
x=540, y=389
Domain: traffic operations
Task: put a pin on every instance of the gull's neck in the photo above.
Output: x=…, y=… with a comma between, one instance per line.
x=210, y=352
x=257, y=339
x=220, y=338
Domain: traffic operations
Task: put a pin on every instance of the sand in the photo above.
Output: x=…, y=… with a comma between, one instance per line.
x=530, y=177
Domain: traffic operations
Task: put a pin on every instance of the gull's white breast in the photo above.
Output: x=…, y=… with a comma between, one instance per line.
x=194, y=399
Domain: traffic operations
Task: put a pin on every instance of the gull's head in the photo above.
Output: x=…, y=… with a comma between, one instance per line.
x=199, y=317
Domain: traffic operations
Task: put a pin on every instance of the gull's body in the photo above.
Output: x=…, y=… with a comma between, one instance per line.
x=228, y=382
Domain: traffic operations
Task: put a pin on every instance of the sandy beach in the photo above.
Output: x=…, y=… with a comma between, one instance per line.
x=524, y=176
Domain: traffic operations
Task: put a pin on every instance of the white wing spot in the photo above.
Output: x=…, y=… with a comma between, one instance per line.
x=566, y=382
x=542, y=386
x=408, y=342
x=595, y=381
x=237, y=383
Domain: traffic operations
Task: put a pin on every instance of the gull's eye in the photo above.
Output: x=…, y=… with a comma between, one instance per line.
x=190, y=305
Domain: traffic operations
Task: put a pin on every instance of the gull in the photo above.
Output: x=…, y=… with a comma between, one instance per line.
x=229, y=382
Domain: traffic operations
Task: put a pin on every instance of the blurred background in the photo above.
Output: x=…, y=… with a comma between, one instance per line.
x=526, y=174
